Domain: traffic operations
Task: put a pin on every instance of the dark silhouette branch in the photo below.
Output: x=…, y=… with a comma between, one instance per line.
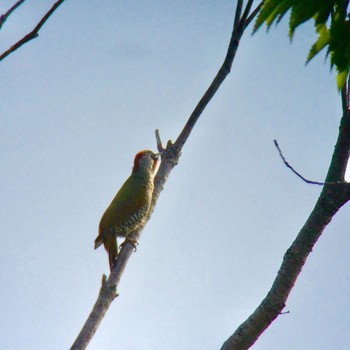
x=246, y=13
x=345, y=96
x=169, y=157
x=333, y=196
x=253, y=14
x=238, y=29
x=33, y=34
x=293, y=170
x=341, y=152
x=5, y=16
x=238, y=13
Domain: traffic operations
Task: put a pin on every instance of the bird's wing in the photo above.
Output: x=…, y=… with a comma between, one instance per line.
x=128, y=201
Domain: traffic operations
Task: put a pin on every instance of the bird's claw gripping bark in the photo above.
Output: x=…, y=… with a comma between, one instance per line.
x=134, y=242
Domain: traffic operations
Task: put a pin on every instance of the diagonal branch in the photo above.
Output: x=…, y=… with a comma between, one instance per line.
x=246, y=12
x=293, y=170
x=225, y=69
x=253, y=14
x=5, y=16
x=331, y=199
x=169, y=156
x=33, y=34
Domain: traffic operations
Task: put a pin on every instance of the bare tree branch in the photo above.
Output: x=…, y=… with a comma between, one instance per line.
x=169, y=156
x=331, y=199
x=238, y=13
x=5, y=16
x=246, y=13
x=341, y=152
x=293, y=170
x=253, y=14
x=345, y=96
x=218, y=80
x=33, y=34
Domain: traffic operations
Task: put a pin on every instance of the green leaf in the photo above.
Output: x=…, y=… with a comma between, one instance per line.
x=272, y=10
x=339, y=45
x=302, y=11
x=324, y=12
x=341, y=79
x=332, y=23
x=322, y=41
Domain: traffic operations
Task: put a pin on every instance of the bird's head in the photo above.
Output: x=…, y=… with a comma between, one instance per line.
x=146, y=160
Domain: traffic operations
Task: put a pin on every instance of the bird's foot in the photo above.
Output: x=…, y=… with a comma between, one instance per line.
x=134, y=242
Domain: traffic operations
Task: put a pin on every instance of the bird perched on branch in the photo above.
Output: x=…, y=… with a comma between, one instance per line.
x=129, y=208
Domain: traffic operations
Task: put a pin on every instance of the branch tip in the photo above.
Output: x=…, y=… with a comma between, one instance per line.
x=159, y=142
x=293, y=170
x=284, y=312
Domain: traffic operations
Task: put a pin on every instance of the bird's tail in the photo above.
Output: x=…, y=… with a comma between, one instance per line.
x=98, y=241
x=112, y=249
x=110, y=243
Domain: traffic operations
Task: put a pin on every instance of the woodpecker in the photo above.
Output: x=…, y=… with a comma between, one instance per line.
x=130, y=206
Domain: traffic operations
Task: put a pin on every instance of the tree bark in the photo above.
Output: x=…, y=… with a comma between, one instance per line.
x=335, y=193
x=169, y=158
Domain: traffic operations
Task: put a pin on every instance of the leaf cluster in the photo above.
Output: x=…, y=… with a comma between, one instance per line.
x=332, y=25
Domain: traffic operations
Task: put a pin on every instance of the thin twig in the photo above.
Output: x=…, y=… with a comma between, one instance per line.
x=33, y=34
x=294, y=171
x=159, y=142
x=6, y=15
x=253, y=14
x=246, y=12
x=237, y=32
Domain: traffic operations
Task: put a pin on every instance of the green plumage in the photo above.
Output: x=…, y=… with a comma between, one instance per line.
x=129, y=208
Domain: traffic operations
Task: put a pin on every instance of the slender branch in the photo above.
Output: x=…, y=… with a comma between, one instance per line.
x=345, y=98
x=341, y=152
x=238, y=13
x=159, y=142
x=169, y=157
x=253, y=14
x=291, y=168
x=246, y=12
x=33, y=34
x=237, y=32
x=5, y=16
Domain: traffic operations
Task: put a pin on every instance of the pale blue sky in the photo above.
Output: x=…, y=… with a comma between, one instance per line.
x=77, y=104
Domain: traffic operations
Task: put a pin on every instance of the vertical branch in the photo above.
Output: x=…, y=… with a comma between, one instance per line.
x=341, y=152
x=238, y=13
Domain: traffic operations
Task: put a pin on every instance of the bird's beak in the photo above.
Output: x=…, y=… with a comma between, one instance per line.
x=156, y=156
